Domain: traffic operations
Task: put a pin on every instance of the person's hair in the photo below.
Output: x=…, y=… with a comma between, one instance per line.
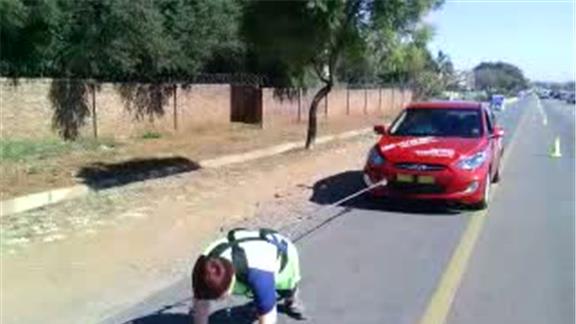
x=211, y=277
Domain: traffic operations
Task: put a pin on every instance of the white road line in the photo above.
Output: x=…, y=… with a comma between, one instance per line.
x=542, y=112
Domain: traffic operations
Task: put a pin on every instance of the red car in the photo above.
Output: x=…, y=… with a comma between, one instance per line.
x=444, y=150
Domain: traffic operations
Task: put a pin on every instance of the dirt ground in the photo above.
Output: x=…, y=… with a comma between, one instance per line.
x=179, y=152
x=83, y=260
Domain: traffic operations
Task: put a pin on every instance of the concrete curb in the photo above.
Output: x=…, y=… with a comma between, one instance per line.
x=243, y=157
x=41, y=199
x=37, y=200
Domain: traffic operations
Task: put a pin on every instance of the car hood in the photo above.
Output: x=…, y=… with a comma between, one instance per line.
x=433, y=150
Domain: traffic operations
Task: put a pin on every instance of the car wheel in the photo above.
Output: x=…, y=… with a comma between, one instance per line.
x=497, y=176
x=482, y=204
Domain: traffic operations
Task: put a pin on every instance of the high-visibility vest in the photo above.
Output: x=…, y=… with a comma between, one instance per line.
x=239, y=259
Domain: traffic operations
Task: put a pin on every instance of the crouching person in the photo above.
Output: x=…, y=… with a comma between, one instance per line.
x=260, y=264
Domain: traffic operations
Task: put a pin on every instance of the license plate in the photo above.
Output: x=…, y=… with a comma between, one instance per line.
x=404, y=178
x=425, y=179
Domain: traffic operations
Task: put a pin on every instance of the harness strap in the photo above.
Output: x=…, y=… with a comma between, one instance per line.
x=239, y=259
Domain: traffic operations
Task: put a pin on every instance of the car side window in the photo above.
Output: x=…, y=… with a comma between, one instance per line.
x=489, y=122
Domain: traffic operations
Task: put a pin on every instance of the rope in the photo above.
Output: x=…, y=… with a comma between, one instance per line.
x=306, y=216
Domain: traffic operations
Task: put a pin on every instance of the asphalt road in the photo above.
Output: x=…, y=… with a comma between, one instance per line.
x=381, y=263
x=522, y=270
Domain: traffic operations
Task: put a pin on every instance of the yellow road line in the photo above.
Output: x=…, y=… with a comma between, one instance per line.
x=441, y=302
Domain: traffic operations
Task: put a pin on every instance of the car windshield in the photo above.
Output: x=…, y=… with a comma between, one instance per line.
x=438, y=122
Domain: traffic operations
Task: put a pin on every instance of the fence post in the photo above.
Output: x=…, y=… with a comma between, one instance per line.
x=379, y=99
x=326, y=106
x=175, y=107
x=365, y=101
x=393, y=100
x=347, y=100
x=299, y=105
x=260, y=105
x=94, y=116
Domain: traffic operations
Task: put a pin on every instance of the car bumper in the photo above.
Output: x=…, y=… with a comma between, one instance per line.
x=466, y=187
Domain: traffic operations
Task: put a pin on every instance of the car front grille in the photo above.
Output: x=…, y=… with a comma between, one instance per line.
x=419, y=166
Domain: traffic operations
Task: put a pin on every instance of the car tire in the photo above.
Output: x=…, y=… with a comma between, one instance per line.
x=483, y=203
x=497, y=176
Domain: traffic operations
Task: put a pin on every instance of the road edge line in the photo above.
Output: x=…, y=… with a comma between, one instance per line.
x=440, y=304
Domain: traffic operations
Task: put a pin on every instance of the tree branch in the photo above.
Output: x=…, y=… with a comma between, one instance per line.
x=318, y=69
x=351, y=10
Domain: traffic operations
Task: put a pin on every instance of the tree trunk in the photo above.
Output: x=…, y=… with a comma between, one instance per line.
x=175, y=107
x=312, y=114
x=94, y=116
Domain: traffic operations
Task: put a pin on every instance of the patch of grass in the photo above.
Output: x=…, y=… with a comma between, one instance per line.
x=17, y=150
x=151, y=135
x=26, y=149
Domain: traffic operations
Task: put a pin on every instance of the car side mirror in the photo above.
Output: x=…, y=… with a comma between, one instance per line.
x=380, y=129
x=498, y=132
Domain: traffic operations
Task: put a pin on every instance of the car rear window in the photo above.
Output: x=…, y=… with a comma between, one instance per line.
x=448, y=122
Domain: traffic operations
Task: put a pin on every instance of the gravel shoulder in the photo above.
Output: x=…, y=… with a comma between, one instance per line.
x=83, y=259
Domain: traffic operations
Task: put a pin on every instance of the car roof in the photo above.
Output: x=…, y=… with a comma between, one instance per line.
x=445, y=104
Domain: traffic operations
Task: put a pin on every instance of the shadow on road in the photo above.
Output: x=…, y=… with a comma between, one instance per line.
x=334, y=188
x=241, y=314
x=107, y=175
x=162, y=318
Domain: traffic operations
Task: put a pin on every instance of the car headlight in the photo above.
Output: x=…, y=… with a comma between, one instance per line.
x=375, y=158
x=474, y=161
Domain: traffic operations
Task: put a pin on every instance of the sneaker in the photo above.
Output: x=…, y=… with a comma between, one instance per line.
x=294, y=308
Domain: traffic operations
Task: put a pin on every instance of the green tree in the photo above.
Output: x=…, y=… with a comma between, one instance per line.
x=446, y=72
x=205, y=34
x=27, y=36
x=119, y=40
x=114, y=40
x=317, y=34
x=291, y=43
x=499, y=77
x=411, y=64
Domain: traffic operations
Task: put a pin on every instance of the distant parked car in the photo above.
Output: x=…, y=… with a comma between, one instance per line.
x=445, y=150
x=544, y=94
x=564, y=95
x=571, y=98
x=556, y=95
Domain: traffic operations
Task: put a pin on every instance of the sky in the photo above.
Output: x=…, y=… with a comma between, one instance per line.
x=537, y=36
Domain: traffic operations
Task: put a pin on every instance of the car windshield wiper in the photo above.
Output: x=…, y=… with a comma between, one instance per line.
x=414, y=134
